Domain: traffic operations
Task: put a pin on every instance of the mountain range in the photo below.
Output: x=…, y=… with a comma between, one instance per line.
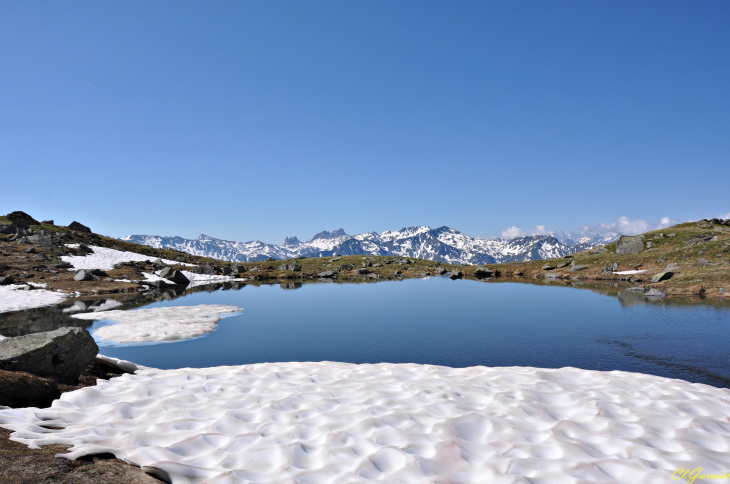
x=441, y=244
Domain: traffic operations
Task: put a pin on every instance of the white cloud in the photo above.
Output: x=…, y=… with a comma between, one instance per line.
x=538, y=230
x=513, y=232
x=725, y=216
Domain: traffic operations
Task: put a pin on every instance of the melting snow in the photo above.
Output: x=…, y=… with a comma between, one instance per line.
x=628, y=272
x=104, y=258
x=406, y=423
x=16, y=297
x=158, y=324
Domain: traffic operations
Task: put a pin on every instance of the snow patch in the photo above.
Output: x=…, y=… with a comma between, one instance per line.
x=623, y=273
x=158, y=324
x=16, y=297
x=345, y=423
x=104, y=258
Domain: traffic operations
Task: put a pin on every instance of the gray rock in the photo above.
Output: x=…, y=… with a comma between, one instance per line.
x=373, y=275
x=226, y=270
x=174, y=275
x=440, y=271
x=599, y=250
x=548, y=267
x=482, y=272
x=361, y=270
x=290, y=267
x=655, y=293
x=21, y=219
x=398, y=273
x=614, y=267
x=456, y=275
x=661, y=260
x=635, y=289
x=85, y=275
x=327, y=274
x=4, y=267
x=335, y=259
x=237, y=269
x=61, y=354
x=629, y=245
x=179, y=259
x=703, y=261
x=553, y=276
x=577, y=268
x=205, y=269
x=662, y=276
x=5, y=280
x=673, y=267
x=79, y=227
x=563, y=264
x=671, y=235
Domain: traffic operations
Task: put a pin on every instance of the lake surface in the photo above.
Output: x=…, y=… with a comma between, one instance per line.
x=453, y=323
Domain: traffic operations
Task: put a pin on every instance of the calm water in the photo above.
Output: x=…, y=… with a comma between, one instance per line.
x=454, y=323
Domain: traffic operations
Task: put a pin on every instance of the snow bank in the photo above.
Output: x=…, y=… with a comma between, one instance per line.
x=622, y=273
x=390, y=423
x=124, y=365
x=203, y=279
x=105, y=259
x=159, y=324
x=16, y=297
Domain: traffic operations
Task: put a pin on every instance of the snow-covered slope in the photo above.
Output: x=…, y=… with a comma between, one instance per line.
x=442, y=244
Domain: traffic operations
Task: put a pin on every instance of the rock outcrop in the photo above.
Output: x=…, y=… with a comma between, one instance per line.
x=61, y=354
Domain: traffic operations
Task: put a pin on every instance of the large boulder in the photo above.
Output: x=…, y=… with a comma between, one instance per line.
x=577, y=268
x=61, y=354
x=174, y=275
x=483, y=272
x=79, y=227
x=20, y=389
x=21, y=219
x=629, y=244
x=326, y=274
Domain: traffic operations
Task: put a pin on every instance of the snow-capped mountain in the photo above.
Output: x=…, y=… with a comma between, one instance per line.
x=442, y=244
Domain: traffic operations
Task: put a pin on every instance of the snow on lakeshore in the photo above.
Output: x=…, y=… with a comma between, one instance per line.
x=104, y=258
x=159, y=324
x=628, y=272
x=390, y=423
x=16, y=297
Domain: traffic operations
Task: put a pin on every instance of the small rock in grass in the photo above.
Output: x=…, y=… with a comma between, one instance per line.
x=361, y=270
x=563, y=264
x=398, y=273
x=548, y=267
x=577, y=268
x=662, y=276
x=85, y=275
x=456, y=275
x=326, y=274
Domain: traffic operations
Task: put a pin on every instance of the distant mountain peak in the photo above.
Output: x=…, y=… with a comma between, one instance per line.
x=331, y=234
x=291, y=241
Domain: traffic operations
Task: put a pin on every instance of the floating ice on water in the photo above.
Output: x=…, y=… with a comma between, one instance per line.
x=16, y=297
x=390, y=423
x=159, y=324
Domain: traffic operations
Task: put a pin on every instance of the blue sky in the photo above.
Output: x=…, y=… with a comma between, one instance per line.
x=247, y=120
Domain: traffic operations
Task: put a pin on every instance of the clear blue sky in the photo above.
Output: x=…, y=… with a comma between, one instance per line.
x=248, y=120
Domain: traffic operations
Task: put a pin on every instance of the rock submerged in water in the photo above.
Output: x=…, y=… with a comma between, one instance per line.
x=628, y=244
x=62, y=354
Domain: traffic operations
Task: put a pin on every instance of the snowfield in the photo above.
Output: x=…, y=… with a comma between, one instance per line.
x=16, y=297
x=390, y=423
x=159, y=324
